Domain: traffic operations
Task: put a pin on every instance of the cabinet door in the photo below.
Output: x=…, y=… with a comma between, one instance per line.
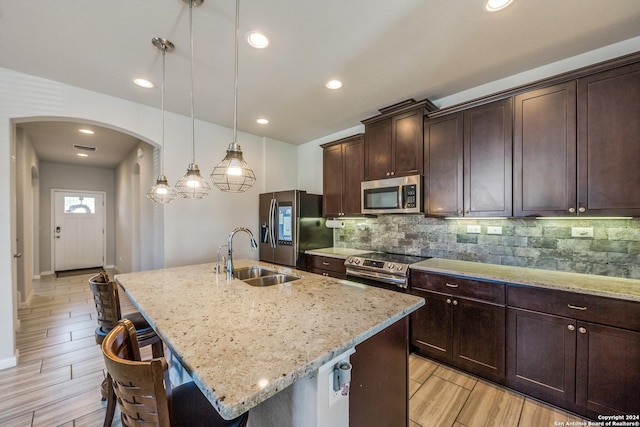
x=608, y=147
x=479, y=338
x=407, y=143
x=541, y=356
x=544, y=163
x=431, y=326
x=377, y=150
x=608, y=367
x=488, y=159
x=353, y=175
x=443, y=145
x=332, y=181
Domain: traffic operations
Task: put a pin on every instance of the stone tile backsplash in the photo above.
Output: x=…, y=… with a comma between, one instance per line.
x=614, y=249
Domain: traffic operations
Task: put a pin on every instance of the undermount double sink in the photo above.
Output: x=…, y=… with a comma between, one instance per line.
x=262, y=276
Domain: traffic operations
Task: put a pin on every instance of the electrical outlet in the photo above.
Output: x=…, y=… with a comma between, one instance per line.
x=494, y=230
x=581, y=231
x=473, y=229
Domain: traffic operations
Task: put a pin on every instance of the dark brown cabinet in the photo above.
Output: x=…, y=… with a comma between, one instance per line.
x=556, y=354
x=468, y=162
x=394, y=141
x=608, y=107
x=461, y=323
x=326, y=266
x=379, y=394
x=343, y=171
x=544, y=152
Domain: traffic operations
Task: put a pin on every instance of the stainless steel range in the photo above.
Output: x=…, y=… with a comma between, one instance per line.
x=385, y=270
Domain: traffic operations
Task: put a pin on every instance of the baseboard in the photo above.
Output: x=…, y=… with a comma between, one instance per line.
x=27, y=303
x=47, y=273
x=9, y=362
x=36, y=277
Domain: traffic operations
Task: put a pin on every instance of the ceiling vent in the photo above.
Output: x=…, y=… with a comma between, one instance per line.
x=84, y=147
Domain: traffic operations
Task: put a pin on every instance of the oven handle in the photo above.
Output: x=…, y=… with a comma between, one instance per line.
x=400, y=282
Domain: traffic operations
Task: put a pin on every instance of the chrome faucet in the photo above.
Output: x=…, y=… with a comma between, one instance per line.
x=254, y=246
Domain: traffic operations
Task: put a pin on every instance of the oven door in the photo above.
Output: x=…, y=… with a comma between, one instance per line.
x=378, y=279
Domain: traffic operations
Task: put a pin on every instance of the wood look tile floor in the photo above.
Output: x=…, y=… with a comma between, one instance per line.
x=60, y=369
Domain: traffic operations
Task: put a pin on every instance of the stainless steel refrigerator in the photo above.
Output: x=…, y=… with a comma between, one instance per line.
x=290, y=223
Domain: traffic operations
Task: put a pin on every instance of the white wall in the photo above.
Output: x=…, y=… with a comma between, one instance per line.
x=193, y=230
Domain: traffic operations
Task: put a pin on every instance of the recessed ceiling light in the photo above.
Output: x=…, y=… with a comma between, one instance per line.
x=143, y=83
x=334, y=84
x=258, y=40
x=495, y=5
x=262, y=121
x=82, y=155
x=86, y=131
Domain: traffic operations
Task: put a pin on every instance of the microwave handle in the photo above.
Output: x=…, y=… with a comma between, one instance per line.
x=400, y=196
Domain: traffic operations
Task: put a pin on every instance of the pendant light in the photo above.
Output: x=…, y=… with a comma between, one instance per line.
x=192, y=185
x=162, y=192
x=233, y=174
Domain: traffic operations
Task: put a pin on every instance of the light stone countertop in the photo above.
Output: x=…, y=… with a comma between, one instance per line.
x=333, y=252
x=616, y=287
x=243, y=344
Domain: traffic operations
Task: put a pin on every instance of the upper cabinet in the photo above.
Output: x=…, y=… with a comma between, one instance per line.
x=544, y=152
x=343, y=171
x=393, y=141
x=609, y=142
x=467, y=162
x=576, y=147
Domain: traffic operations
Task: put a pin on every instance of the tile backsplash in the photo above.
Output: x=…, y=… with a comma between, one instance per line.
x=614, y=249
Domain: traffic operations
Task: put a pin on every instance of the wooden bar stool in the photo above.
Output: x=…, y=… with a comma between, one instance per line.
x=107, y=300
x=143, y=390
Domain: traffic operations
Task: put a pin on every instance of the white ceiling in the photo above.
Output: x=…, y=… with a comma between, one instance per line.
x=384, y=51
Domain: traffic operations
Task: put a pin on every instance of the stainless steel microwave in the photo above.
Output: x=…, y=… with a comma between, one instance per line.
x=392, y=195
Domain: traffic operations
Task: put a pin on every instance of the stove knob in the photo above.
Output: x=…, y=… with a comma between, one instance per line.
x=350, y=260
x=391, y=266
x=399, y=268
x=357, y=261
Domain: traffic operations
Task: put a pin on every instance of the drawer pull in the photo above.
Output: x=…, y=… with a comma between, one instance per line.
x=448, y=301
x=451, y=285
x=571, y=328
x=575, y=307
x=455, y=302
x=325, y=263
x=582, y=330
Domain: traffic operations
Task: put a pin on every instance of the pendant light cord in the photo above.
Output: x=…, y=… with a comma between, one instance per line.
x=193, y=125
x=235, y=72
x=164, y=50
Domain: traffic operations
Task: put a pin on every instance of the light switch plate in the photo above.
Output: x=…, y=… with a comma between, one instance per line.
x=581, y=231
x=473, y=229
x=494, y=229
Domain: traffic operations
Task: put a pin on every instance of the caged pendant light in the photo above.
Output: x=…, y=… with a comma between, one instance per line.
x=233, y=174
x=192, y=185
x=161, y=192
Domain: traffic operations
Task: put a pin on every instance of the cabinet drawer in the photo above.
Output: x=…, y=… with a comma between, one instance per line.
x=459, y=286
x=592, y=308
x=327, y=263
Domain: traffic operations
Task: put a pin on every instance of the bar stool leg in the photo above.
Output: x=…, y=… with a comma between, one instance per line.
x=111, y=401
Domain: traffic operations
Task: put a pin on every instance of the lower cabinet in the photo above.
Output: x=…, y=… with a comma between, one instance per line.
x=566, y=360
x=462, y=323
x=325, y=266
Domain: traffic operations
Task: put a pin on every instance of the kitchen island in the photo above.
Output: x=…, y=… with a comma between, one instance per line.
x=243, y=344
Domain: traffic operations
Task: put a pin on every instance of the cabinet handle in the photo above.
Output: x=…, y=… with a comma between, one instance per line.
x=388, y=173
x=448, y=301
x=575, y=307
x=572, y=210
x=466, y=212
x=451, y=285
x=325, y=263
x=455, y=302
x=393, y=173
x=571, y=328
x=582, y=330
x=582, y=209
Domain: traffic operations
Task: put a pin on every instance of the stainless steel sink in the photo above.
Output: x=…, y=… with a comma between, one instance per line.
x=274, y=279
x=245, y=273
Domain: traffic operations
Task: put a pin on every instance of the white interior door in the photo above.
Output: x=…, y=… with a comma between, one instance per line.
x=78, y=230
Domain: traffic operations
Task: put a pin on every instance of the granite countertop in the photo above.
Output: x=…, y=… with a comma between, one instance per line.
x=243, y=344
x=628, y=289
x=342, y=253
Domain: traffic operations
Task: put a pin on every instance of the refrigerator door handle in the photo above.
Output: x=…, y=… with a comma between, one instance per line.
x=272, y=221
